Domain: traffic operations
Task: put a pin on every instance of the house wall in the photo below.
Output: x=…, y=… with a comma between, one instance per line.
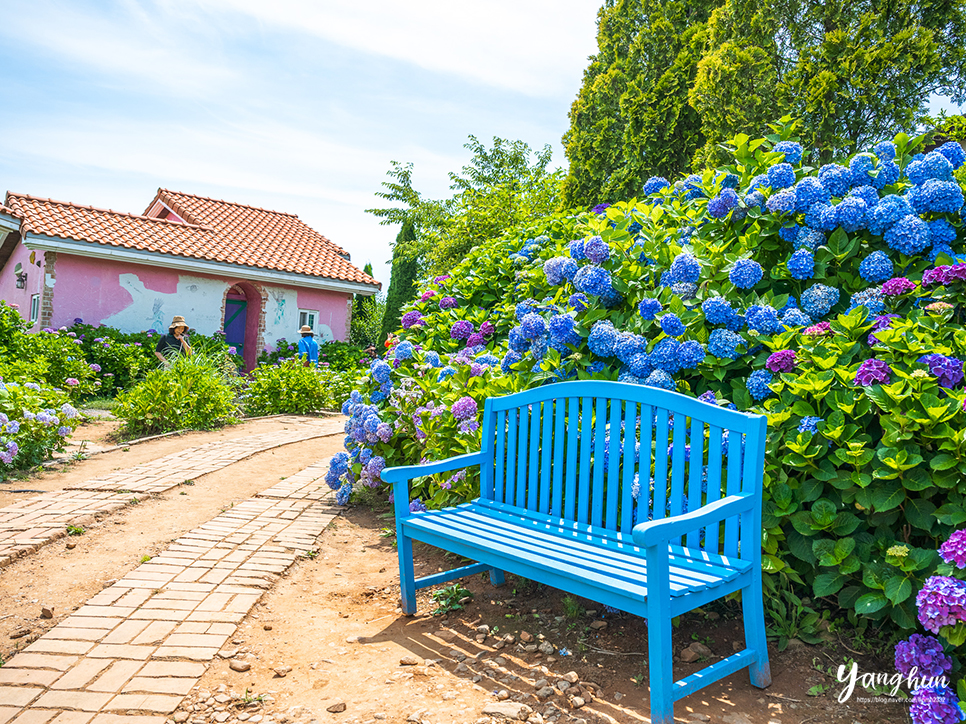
x=35, y=280
x=134, y=297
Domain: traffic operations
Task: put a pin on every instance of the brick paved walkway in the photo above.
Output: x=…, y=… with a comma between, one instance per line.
x=27, y=525
x=131, y=653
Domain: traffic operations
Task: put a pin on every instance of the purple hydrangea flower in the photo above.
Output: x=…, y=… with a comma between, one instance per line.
x=417, y=506
x=461, y=329
x=935, y=705
x=464, y=408
x=941, y=602
x=487, y=329
x=898, y=285
x=475, y=339
x=596, y=250
x=781, y=361
x=411, y=319
x=924, y=654
x=954, y=549
x=448, y=303
x=872, y=371
x=948, y=370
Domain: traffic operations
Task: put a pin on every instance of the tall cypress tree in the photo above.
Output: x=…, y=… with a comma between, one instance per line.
x=402, y=283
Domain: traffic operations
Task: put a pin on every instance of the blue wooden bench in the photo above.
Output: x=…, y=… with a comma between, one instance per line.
x=565, y=500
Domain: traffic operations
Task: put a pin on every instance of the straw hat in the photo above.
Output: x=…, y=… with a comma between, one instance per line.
x=178, y=321
x=306, y=329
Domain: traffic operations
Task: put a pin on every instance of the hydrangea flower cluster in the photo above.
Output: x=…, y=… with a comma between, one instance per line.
x=948, y=370
x=954, y=549
x=924, y=654
x=872, y=371
x=941, y=602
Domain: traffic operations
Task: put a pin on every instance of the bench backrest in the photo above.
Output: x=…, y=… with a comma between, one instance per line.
x=588, y=452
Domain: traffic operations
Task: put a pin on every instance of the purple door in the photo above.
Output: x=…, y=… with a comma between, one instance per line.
x=235, y=317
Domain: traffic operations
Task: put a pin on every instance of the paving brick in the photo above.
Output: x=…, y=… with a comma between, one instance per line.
x=144, y=702
x=82, y=674
x=90, y=622
x=126, y=632
x=121, y=651
x=196, y=640
x=35, y=716
x=130, y=719
x=113, y=679
x=104, y=611
x=41, y=661
x=8, y=712
x=55, y=646
x=160, y=614
x=186, y=652
x=173, y=668
x=73, y=717
x=18, y=695
x=43, y=677
x=155, y=632
x=168, y=685
x=83, y=700
x=78, y=634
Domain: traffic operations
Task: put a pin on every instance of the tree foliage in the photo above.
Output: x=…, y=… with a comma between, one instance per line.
x=500, y=188
x=671, y=81
x=405, y=272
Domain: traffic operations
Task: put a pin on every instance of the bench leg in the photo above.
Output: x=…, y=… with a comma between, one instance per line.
x=497, y=577
x=659, y=655
x=753, y=613
x=407, y=576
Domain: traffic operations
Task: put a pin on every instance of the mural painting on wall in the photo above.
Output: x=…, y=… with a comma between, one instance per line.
x=157, y=321
x=279, y=296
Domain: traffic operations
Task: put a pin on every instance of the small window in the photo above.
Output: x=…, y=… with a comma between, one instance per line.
x=34, y=308
x=308, y=317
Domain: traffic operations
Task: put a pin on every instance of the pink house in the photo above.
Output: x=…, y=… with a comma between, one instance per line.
x=256, y=274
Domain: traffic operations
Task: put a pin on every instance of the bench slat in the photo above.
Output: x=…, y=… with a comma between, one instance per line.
x=660, y=465
x=733, y=488
x=499, y=472
x=586, y=437
x=546, y=457
x=627, y=482
x=570, y=494
x=509, y=488
x=533, y=471
x=714, y=482
x=597, y=491
x=695, y=469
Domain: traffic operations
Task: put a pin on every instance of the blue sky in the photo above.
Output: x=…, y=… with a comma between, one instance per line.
x=290, y=105
x=295, y=105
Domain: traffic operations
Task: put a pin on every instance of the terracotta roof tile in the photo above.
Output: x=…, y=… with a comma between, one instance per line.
x=214, y=230
x=8, y=211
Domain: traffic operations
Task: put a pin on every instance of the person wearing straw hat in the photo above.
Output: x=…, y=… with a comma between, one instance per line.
x=308, y=347
x=176, y=339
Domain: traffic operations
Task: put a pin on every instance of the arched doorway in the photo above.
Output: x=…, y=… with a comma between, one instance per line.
x=243, y=308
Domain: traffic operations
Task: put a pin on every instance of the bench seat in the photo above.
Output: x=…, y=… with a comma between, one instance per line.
x=562, y=554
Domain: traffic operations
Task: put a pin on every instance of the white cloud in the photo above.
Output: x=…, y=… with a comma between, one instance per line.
x=536, y=47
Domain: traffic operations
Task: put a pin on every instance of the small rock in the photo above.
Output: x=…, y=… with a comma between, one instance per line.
x=571, y=676
x=462, y=668
x=267, y=627
x=618, y=696
x=793, y=644
x=535, y=718
x=446, y=635
x=222, y=717
x=531, y=648
x=701, y=650
x=240, y=666
x=689, y=656
x=411, y=661
x=509, y=638
x=508, y=710
x=228, y=653
x=563, y=685
x=480, y=638
x=735, y=718
x=546, y=648
x=598, y=625
x=540, y=684
x=352, y=639
x=713, y=616
x=19, y=633
x=283, y=671
x=483, y=629
x=181, y=716
x=526, y=637
x=545, y=692
x=577, y=702
x=336, y=708
x=46, y=612
x=379, y=714
x=738, y=646
x=415, y=716
x=223, y=698
x=503, y=695
x=71, y=545
x=499, y=645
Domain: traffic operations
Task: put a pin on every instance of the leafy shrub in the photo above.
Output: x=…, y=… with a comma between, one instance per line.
x=337, y=355
x=291, y=387
x=35, y=421
x=195, y=392
x=764, y=284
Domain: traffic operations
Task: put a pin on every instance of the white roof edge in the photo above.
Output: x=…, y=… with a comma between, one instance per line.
x=202, y=266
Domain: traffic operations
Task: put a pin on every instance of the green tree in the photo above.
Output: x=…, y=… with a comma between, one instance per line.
x=402, y=282
x=499, y=189
x=367, y=316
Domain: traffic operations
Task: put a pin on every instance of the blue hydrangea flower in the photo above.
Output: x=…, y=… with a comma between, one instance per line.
x=628, y=346
x=596, y=250
x=724, y=343
x=887, y=174
x=540, y=346
x=533, y=325
x=758, y=182
x=801, y=264
x=941, y=232
x=404, y=350
x=664, y=355
x=936, y=250
x=660, y=378
x=757, y=384
x=510, y=358
x=578, y=301
x=868, y=194
x=837, y=179
x=640, y=365
x=558, y=269
x=851, y=214
x=381, y=371
x=782, y=203
x=885, y=150
x=933, y=165
x=342, y=496
x=821, y=216
x=809, y=423
x=876, y=267
x=954, y=153
x=561, y=326
x=603, y=339
x=789, y=233
x=796, y=318
x=527, y=306
x=655, y=184
x=690, y=354
x=717, y=310
x=755, y=198
x=685, y=268
x=594, y=280
x=871, y=298
x=791, y=149
x=909, y=235
x=517, y=340
x=648, y=308
x=685, y=290
x=809, y=239
x=889, y=210
x=672, y=325
x=810, y=191
x=722, y=204
x=818, y=300
x=577, y=250
x=781, y=176
x=763, y=318
x=448, y=371
x=941, y=197
x=596, y=367
x=861, y=167
x=746, y=273
x=431, y=358
x=728, y=180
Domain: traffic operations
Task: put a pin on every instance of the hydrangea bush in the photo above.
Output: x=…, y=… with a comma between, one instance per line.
x=35, y=422
x=827, y=299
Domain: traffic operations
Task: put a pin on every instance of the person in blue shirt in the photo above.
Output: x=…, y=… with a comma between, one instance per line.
x=308, y=347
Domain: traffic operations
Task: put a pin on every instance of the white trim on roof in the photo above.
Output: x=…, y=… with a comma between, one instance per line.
x=9, y=223
x=203, y=266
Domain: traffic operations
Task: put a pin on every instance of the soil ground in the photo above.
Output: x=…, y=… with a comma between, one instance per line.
x=334, y=619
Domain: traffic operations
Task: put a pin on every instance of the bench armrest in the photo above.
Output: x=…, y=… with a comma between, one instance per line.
x=401, y=475
x=653, y=532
